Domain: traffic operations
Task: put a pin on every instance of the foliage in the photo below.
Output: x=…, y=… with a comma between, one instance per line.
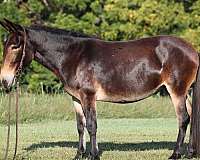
x=108, y=19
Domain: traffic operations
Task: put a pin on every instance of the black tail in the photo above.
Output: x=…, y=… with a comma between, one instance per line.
x=195, y=124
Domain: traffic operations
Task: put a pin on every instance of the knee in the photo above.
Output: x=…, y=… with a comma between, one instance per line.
x=91, y=126
x=184, y=121
x=81, y=125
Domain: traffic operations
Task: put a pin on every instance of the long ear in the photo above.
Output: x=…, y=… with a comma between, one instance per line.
x=5, y=26
x=13, y=26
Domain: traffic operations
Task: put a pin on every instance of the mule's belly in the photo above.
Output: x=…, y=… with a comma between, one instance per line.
x=124, y=97
x=141, y=81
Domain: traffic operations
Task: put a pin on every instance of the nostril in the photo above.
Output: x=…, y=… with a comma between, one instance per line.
x=4, y=82
x=7, y=81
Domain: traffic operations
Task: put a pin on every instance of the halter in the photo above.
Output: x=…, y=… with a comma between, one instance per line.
x=19, y=70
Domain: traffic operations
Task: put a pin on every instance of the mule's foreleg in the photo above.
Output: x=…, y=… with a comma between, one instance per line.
x=81, y=124
x=89, y=108
x=183, y=121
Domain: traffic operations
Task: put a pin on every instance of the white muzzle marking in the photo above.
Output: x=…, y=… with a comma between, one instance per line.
x=7, y=80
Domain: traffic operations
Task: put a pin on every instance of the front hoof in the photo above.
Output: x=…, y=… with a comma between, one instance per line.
x=175, y=156
x=80, y=156
x=93, y=157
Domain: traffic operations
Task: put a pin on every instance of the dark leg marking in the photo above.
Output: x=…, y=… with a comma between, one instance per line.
x=89, y=109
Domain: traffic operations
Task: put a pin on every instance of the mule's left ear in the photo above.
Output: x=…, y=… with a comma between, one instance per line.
x=15, y=27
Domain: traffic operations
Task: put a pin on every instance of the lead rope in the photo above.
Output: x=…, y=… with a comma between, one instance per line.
x=17, y=96
x=16, y=119
x=16, y=106
x=16, y=122
x=8, y=132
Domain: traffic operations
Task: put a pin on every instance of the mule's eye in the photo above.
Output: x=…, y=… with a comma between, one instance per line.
x=14, y=47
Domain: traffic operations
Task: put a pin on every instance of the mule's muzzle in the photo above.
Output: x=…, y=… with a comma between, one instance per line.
x=7, y=82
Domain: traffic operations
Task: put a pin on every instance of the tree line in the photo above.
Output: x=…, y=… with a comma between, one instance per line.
x=107, y=19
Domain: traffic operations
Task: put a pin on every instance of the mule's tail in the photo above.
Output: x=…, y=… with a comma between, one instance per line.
x=195, y=124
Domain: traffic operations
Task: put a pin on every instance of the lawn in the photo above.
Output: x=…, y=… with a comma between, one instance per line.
x=43, y=107
x=141, y=130
x=119, y=139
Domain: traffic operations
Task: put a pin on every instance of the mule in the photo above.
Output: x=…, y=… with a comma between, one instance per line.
x=113, y=71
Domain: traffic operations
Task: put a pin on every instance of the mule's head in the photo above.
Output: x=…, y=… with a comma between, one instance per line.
x=14, y=55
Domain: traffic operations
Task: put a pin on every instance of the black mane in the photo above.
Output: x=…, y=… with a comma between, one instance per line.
x=61, y=31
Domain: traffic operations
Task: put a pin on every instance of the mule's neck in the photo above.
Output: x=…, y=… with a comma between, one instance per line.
x=56, y=52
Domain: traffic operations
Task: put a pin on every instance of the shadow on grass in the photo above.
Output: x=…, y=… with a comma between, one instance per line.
x=108, y=146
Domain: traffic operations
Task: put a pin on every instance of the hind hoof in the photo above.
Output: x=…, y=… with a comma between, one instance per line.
x=175, y=156
x=190, y=155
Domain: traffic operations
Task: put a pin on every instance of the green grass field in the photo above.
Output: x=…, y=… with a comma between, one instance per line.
x=119, y=139
x=42, y=107
x=138, y=131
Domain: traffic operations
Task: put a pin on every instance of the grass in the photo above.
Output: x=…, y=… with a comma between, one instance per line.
x=41, y=107
x=119, y=139
x=136, y=131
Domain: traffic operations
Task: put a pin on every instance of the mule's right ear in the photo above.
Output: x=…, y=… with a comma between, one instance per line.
x=15, y=27
x=5, y=26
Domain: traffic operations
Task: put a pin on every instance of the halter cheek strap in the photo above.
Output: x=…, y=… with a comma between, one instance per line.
x=23, y=55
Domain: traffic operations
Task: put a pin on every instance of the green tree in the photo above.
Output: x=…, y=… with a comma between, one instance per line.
x=107, y=19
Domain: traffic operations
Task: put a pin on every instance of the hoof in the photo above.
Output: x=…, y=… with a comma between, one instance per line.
x=190, y=155
x=80, y=156
x=93, y=157
x=175, y=156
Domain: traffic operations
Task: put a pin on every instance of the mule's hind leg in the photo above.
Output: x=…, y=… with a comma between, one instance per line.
x=81, y=124
x=190, y=150
x=189, y=106
x=179, y=102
